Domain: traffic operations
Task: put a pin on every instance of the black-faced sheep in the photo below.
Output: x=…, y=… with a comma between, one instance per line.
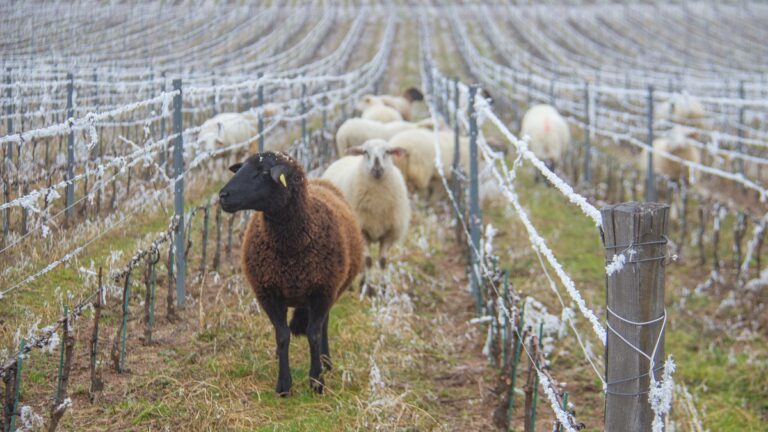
x=302, y=248
x=376, y=191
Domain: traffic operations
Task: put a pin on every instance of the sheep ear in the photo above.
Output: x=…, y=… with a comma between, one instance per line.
x=234, y=168
x=278, y=174
x=397, y=151
x=355, y=151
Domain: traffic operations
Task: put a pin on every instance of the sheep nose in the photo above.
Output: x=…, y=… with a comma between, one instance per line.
x=223, y=194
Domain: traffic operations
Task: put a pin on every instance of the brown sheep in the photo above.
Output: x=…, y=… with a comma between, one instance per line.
x=301, y=249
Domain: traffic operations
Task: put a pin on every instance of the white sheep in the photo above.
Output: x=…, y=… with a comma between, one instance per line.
x=355, y=131
x=548, y=132
x=227, y=129
x=373, y=108
x=418, y=162
x=681, y=108
x=376, y=191
x=403, y=103
x=676, y=142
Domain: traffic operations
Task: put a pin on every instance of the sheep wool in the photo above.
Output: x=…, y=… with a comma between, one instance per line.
x=374, y=108
x=403, y=103
x=225, y=129
x=376, y=191
x=681, y=108
x=418, y=163
x=675, y=143
x=548, y=132
x=356, y=131
x=302, y=248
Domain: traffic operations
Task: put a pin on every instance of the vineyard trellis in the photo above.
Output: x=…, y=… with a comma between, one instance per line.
x=118, y=137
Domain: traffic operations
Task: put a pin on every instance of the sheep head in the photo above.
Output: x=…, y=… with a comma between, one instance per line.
x=413, y=94
x=265, y=182
x=377, y=155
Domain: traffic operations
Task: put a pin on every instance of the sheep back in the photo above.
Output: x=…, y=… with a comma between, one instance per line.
x=418, y=164
x=225, y=129
x=401, y=104
x=668, y=167
x=548, y=130
x=356, y=131
x=382, y=113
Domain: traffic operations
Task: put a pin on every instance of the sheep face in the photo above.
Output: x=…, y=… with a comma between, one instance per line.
x=264, y=182
x=377, y=155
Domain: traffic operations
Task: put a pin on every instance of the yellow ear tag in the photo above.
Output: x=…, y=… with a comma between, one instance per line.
x=282, y=180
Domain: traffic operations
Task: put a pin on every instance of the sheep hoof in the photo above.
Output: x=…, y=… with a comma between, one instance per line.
x=317, y=384
x=368, y=262
x=382, y=262
x=283, y=388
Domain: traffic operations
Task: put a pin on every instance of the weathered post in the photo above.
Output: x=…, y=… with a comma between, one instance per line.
x=70, y=191
x=650, y=181
x=17, y=385
x=9, y=113
x=636, y=316
x=587, y=133
x=178, y=166
x=456, y=153
x=303, y=115
x=8, y=155
x=59, y=406
x=260, y=102
x=475, y=218
x=163, y=148
x=96, y=383
x=740, y=142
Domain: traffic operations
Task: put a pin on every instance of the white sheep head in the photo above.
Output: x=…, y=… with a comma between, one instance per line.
x=377, y=155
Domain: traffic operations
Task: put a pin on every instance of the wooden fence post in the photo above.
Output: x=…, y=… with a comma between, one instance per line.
x=635, y=309
x=96, y=383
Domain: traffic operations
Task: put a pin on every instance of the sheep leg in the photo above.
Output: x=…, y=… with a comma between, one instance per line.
x=325, y=350
x=384, y=246
x=318, y=314
x=277, y=312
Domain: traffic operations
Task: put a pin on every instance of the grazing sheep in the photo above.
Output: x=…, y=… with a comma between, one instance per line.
x=376, y=191
x=373, y=108
x=227, y=129
x=404, y=102
x=676, y=142
x=681, y=108
x=302, y=248
x=418, y=161
x=356, y=131
x=549, y=133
